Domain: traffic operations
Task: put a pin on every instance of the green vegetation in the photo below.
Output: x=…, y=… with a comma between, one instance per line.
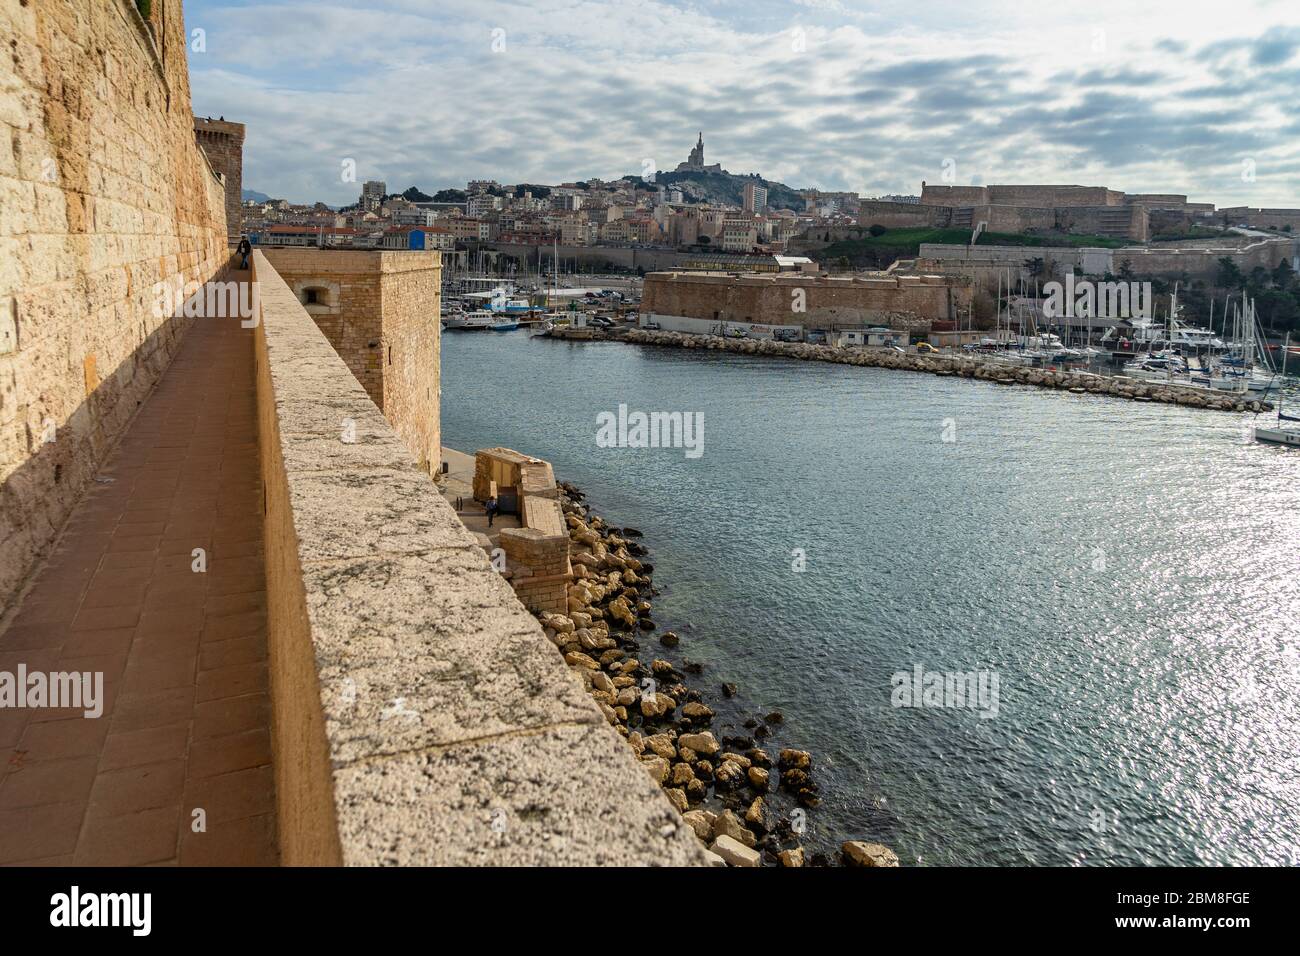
x=878, y=247
x=724, y=187
x=1276, y=292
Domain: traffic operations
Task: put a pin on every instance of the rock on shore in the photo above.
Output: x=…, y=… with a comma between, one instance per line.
x=666, y=723
x=959, y=365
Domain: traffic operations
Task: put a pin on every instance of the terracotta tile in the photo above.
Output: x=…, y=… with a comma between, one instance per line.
x=238, y=650
x=146, y=675
x=48, y=781
x=227, y=605
x=241, y=582
x=96, y=643
x=211, y=756
x=232, y=796
x=139, y=747
x=110, y=665
x=230, y=715
x=235, y=625
x=136, y=788
x=35, y=833
x=12, y=725
x=104, y=618
x=115, y=595
x=52, y=739
x=142, y=711
x=233, y=681
x=109, y=576
x=128, y=559
x=20, y=637
x=250, y=841
x=172, y=620
x=132, y=839
x=109, y=694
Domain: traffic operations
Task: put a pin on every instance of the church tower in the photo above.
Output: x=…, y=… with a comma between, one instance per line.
x=697, y=154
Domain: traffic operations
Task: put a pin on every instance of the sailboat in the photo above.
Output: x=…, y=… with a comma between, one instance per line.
x=1284, y=434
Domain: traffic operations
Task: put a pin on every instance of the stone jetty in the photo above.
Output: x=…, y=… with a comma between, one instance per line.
x=958, y=365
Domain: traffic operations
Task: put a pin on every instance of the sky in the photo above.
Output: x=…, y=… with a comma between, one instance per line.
x=1195, y=97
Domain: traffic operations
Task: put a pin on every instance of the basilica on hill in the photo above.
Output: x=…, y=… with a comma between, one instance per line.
x=696, y=161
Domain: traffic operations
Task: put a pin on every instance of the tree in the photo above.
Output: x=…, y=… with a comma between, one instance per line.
x=1282, y=275
x=1229, y=276
x=877, y=229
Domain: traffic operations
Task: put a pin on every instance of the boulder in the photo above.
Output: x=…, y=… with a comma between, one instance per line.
x=657, y=767
x=702, y=743
x=868, y=854
x=677, y=797
x=701, y=821
x=661, y=745
x=735, y=853
x=798, y=759
x=791, y=857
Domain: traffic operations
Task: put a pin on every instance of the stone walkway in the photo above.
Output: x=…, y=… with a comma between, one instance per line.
x=183, y=653
x=458, y=483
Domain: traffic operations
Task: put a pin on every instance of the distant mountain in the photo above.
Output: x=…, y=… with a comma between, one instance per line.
x=254, y=195
x=729, y=188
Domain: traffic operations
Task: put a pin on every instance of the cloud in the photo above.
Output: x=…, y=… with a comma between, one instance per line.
x=845, y=94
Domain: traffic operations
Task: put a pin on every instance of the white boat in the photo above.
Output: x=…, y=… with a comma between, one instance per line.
x=475, y=321
x=1278, y=436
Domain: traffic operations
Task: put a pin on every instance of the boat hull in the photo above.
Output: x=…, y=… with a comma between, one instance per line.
x=1276, y=436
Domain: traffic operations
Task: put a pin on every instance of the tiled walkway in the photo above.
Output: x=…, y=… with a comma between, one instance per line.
x=183, y=653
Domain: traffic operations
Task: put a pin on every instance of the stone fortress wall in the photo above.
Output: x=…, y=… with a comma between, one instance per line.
x=828, y=303
x=103, y=195
x=380, y=312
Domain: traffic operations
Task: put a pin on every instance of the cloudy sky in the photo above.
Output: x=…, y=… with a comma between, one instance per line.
x=1193, y=96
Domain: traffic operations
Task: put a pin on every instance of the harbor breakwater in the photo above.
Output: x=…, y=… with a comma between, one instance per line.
x=717, y=769
x=955, y=365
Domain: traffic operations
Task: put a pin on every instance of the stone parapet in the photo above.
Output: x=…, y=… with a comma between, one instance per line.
x=420, y=714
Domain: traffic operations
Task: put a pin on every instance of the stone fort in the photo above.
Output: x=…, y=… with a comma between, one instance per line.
x=1081, y=210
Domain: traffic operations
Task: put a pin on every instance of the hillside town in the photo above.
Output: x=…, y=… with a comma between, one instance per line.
x=683, y=210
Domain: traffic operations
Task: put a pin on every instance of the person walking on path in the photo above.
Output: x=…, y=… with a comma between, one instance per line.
x=244, y=249
x=491, y=508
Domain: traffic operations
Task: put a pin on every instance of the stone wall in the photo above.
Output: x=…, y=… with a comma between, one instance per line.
x=223, y=143
x=1260, y=218
x=103, y=195
x=380, y=311
x=828, y=303
x=1192, y=260
x=537, y=552
x=420, y=715
x=1043, y=196
x=1128, y=222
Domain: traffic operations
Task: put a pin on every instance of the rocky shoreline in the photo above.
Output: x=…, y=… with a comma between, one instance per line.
x=747, y=807
x=964, y=366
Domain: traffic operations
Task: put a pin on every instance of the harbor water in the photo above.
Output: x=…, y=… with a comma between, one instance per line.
x=1129, y=573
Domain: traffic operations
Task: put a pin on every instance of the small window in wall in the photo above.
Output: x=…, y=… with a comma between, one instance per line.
x=315, y=296
x=390, y=355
